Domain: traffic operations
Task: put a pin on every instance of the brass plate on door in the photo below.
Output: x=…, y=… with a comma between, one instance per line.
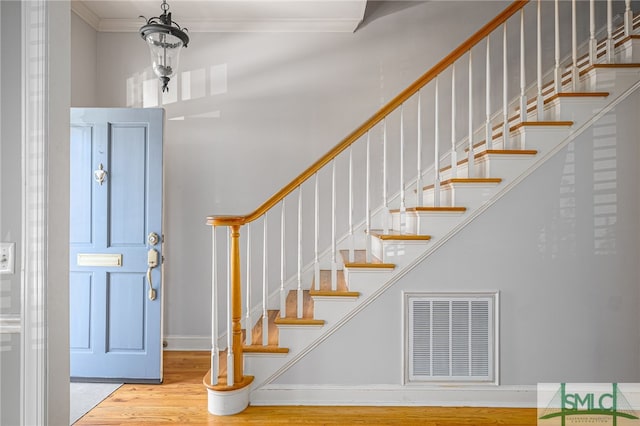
x=99, y=259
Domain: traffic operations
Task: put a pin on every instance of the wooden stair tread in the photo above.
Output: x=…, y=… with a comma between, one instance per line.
x=507, y=152
x=360, y=261
x=541, y=124
x=298, y=321
x=324, y=289
x=256, y=332
x=493, y=152
x=259, y=349
x=471, y=180
x=222, y=383
x=465, y=181
x=626, y=39
x=570, y=95
x=329, y=293
x=608, y=66
x=438, y=209
x=398, y=236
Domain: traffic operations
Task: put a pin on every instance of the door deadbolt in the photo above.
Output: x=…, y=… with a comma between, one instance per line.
x=153, y=238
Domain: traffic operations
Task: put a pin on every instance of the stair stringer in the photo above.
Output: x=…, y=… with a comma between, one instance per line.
x=286, y=362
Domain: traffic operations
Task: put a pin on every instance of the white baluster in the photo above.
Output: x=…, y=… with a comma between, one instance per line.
x=230, y=362
x=283, y=265
x=419, y=184
x=316, y=249
x=470, y=153
x=386, y=222
x=593, y=43
x=403, y=205
x=454, y=154
x=488, y=130
x=505, y=81
x=352, y=242
x=300, y=292
x=248, y=323
x=628, y=18
x=539, y=99
x=436, y=155
x=367, y=200
x=574, y=47
x=265, y=289
x=215, y=351
x=609, y=43
x=334, y=249
x=523, y=78
x=557, y=71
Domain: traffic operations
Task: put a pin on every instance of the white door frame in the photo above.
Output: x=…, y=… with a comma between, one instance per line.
x=44, y=373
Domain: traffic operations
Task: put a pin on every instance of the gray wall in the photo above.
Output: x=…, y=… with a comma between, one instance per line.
x=561, y=248
x=10, y=203
x=259, y=109
x=84, y=62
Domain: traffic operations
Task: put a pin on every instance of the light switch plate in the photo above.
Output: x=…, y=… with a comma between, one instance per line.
x=7, y=258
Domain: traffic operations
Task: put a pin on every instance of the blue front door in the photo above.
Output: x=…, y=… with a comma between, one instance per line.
x=116, y=244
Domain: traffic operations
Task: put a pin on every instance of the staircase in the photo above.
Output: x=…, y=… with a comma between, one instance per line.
x=330, y=243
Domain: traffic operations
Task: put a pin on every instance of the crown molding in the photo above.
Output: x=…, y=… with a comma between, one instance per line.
x=80, y=9
x=242, y=26
x=232, y=24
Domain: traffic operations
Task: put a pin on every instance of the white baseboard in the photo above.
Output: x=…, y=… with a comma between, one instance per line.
x=392, y=395
x=187, y=343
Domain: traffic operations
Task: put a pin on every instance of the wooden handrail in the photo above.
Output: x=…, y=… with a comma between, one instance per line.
x=375, y=119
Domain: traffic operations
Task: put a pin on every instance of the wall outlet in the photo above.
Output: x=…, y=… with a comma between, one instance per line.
x=7, y=258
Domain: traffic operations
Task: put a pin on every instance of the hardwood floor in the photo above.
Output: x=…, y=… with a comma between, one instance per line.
x=182, y=400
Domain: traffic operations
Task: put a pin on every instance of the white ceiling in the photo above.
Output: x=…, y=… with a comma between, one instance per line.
x=227, y=15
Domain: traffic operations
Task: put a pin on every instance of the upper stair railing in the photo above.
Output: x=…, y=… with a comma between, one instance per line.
x=468, y=102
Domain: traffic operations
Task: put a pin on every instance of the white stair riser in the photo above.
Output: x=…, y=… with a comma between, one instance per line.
x=331, y=309
x=397, y=219
x=462, y=171
x=367, y=281
x=397, y=252
x=435, y=224
x=261, y=366
x=614, y=81
x=504, y=166
x=577, y=110
x=463, y=195
x=628, y=52
x=542, y=139
x=297, y=336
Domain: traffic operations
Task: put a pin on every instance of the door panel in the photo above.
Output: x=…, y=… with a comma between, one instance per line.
x=80, y=310
x=128, y=184
x=115, y=326
x=126, y=324
x=81, y=188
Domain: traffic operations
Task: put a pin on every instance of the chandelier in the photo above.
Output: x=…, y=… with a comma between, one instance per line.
x=165, y=38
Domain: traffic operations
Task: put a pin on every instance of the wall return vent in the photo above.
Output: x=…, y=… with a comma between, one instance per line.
x=450, y=337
